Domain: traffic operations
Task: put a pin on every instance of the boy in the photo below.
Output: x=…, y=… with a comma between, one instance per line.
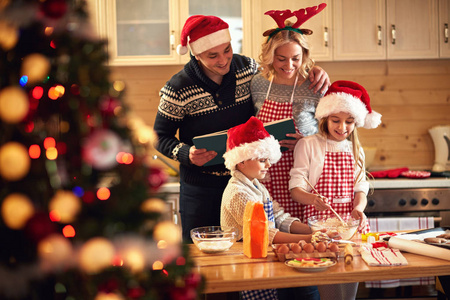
x=251, y=150
x=250, y=153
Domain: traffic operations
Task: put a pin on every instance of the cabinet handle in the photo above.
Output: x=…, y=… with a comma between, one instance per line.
x=393, y=34
x=172, y=40
x=325, y=36
x=379, y=35
x=446, y=33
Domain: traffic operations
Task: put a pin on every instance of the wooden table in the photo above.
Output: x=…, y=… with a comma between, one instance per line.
x=232, y=271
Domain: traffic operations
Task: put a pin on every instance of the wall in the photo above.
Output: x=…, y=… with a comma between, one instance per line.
x=412, y=96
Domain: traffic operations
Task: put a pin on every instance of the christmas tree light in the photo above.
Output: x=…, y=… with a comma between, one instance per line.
x=81, y=217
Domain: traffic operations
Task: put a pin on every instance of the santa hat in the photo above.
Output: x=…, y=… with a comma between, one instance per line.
x=250, y=141
x=349, y=97
x=204, y=33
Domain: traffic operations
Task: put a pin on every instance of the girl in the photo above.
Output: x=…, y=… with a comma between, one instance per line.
x=333, y=162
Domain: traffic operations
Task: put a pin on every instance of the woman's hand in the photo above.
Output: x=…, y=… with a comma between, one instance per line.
x=359, y=215
x=290, y=144
x=320, y=81
x=199, y=157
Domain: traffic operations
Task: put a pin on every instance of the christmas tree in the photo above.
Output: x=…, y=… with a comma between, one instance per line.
x=81, y=217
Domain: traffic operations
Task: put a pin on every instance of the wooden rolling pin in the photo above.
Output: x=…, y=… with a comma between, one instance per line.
x=348, y=254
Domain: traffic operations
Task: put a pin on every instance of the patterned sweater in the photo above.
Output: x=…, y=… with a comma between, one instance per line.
x=193, y=105
x=241, y=190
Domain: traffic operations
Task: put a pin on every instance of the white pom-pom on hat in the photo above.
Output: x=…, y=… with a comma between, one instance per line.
x=203, y=33
x=250, y=141
x=352, y=98
x=182, y=50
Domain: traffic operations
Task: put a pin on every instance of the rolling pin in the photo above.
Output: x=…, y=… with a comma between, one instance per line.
x=348, y=254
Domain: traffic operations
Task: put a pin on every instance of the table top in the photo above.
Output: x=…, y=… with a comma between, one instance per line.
x=232, y=271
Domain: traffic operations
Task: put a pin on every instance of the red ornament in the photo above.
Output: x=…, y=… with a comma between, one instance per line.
x=156, y=178
x=39, y=226
x=187, y=293
x=109, y=286
x=107, y=105
x=193, y=279
x=136, y=293
x=54, y=9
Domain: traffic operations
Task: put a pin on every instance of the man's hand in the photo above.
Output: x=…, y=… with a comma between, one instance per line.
x=290, y=144
x=320, y=81
x=199, y=157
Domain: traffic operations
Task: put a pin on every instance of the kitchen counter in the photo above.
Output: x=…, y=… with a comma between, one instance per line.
x=233, y=271
x=397, y=183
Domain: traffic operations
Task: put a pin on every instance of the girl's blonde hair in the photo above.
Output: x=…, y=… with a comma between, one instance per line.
x=281, y=38
x=353, y=137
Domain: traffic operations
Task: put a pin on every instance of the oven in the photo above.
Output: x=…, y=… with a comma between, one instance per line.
x=394, y=199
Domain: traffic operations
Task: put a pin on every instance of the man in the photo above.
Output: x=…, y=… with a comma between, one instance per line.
x=211, y=93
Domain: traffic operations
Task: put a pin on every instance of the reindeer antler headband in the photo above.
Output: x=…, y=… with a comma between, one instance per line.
x=303, y=15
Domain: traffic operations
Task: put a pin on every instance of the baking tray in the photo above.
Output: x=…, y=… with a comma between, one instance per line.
x=425, y=233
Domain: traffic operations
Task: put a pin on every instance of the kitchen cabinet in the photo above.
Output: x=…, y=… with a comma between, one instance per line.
x=320, y=24
x=367, y=39
x=385, y=29
x=147, y=32
x=444, y=18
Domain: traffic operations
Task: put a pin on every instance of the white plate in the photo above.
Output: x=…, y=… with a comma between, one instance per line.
x=310, y=269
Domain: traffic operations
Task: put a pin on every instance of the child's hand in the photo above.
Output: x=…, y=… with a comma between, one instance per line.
x=320, y=203
x=359, y=215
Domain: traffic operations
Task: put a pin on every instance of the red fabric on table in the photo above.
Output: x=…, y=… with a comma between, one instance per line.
x=391, y=173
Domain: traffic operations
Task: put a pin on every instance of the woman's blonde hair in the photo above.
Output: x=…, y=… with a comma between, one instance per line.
x=353, y=137
x=279, y=39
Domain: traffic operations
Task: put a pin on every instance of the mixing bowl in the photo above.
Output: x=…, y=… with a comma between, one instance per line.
x=214, y=239
x=334, y=228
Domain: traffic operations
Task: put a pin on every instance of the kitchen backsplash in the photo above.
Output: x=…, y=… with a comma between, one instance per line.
x=412, y=96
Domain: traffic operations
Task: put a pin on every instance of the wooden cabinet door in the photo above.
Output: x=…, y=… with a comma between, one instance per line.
x=359, y=30
x=412, y=28
x=320, y=40
x=139, y=32
x=443, y=30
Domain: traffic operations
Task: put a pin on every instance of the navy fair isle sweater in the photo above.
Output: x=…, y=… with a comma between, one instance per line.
x=193, y=105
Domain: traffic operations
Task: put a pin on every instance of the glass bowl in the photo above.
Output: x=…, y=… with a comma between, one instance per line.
x=214, y=239
x=334, y=228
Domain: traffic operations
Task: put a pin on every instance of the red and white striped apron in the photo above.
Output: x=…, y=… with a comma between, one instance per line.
x=337, y=184
x=277, y=179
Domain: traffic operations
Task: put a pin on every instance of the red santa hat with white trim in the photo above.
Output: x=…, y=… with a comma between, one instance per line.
x=349, y=97
x=203, y=33
x=250, y=141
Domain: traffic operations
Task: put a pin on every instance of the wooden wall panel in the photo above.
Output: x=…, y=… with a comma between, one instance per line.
x=412, y=96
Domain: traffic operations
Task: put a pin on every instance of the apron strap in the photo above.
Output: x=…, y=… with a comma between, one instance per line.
x=293, y=90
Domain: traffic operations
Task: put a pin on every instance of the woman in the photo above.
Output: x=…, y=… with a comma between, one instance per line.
x=282, y=90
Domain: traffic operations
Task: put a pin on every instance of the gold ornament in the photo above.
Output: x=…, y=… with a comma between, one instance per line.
x=154, y=205
x=14, y=161
x=108, y=296
x=96, y=254
x=17, y=209
x=167, y=231
x=4, y=3
x=55, y=252
x=36, y=67
x=66, y=205
x=14, y=104
x=134, y=259
x=9, y=35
